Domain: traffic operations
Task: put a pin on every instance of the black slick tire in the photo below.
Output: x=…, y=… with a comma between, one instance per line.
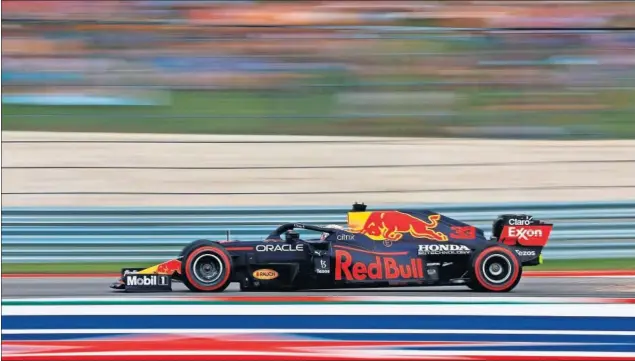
x=494, y=269
x=206, y=267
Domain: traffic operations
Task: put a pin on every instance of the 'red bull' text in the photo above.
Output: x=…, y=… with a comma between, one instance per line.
x=382, y=268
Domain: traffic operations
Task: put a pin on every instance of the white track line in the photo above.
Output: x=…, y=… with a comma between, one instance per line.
x=314, y=331
x=556, y=310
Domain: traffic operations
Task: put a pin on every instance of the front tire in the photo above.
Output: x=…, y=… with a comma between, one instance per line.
x=495, y=269
x=206, y=267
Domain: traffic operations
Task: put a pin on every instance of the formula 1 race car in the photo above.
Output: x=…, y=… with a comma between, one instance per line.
x=380, y=248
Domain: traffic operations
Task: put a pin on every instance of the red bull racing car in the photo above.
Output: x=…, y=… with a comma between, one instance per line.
x=380, y=248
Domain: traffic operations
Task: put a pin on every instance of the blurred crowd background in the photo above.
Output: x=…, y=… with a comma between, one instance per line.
x=424, y=68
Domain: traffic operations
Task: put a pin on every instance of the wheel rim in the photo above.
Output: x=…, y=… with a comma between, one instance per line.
x=207, y=269
x=497, y=269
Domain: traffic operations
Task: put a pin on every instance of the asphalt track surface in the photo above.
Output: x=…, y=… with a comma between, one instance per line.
x=528, y=287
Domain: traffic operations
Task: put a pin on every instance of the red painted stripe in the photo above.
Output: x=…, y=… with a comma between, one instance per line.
x=306, y=358
x=304, y=350
x=240, y=358
x=307, y=350
x=549, y=358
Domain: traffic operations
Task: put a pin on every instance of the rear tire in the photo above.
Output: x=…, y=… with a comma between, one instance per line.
x=206, y=267
x=495, y=269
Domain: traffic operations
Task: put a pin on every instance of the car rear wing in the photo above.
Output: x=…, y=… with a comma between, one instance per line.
x=525, y=234
x=521, y=230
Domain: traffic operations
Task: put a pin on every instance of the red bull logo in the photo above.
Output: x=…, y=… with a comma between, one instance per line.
x=169, y=267
x=390, y=226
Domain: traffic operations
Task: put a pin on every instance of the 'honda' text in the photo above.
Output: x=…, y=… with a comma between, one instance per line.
x=436, y=249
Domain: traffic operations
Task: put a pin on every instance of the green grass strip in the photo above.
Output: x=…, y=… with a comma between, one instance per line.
x=586, y=264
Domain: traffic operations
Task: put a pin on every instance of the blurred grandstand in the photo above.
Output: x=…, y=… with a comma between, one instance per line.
x=427, y=68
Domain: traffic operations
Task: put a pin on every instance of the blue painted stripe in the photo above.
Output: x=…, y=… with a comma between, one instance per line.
x=321, y=322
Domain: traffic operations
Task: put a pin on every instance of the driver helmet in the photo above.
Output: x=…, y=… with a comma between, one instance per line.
x=326, y=234
x=291, y=236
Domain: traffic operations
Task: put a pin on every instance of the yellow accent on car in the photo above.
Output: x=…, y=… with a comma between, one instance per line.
x=149, y=270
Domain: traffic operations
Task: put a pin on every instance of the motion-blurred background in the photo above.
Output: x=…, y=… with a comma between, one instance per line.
x=423, y=68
